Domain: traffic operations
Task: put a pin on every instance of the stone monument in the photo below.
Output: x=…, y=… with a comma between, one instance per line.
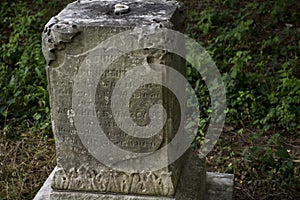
x=82, y=78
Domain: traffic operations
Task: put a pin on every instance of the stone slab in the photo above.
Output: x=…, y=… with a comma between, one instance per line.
x=215, y=181
x=218, y=186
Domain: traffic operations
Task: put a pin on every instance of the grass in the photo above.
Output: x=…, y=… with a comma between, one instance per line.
x=25, y=163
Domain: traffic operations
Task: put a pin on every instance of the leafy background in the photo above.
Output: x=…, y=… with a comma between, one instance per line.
x=256, y=46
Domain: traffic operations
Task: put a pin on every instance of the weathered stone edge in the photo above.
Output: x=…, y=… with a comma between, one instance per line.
x=218, y=186
x=55, y=34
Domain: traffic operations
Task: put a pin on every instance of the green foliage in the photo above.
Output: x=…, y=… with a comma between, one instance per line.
x=24, y=98
x=23, y=82
x=285, y=100
x=272, y=162
x=259, y=69
x=256, y=46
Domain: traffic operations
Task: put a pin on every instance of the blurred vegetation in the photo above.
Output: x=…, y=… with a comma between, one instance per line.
x=26, y=145
x=24, y=97
x=256, y=46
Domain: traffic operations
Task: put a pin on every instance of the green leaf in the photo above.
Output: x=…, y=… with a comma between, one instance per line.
x=17, y=93
x=11, y=101
x=37, y=116
x=282, y=153
x=12, y=82
x=2, y=108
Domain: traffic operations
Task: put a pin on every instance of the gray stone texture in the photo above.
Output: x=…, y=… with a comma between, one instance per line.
x=68, y=38
x=219, y=186
x=191, y=186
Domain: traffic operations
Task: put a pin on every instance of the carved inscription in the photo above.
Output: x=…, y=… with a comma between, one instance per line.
x=148, y=183
x=140, y=103
x=81, y=83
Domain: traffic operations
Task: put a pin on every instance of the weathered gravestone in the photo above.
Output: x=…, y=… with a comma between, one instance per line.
x=82, y=78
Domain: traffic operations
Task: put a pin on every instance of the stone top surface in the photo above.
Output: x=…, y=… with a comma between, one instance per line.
x=105, y=13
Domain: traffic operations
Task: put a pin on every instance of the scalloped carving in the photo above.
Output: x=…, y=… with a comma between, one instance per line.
x=82, y=178
x=56, y=33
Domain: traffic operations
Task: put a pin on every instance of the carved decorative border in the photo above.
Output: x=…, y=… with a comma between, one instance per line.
x=84, y=179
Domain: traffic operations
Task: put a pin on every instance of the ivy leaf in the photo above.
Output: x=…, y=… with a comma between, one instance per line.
x=282, y=153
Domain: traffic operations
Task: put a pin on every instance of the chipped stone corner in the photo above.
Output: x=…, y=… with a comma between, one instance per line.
x=55, y=34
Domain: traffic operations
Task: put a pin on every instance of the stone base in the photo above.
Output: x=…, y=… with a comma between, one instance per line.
x=219, y=186
x=191, y=187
